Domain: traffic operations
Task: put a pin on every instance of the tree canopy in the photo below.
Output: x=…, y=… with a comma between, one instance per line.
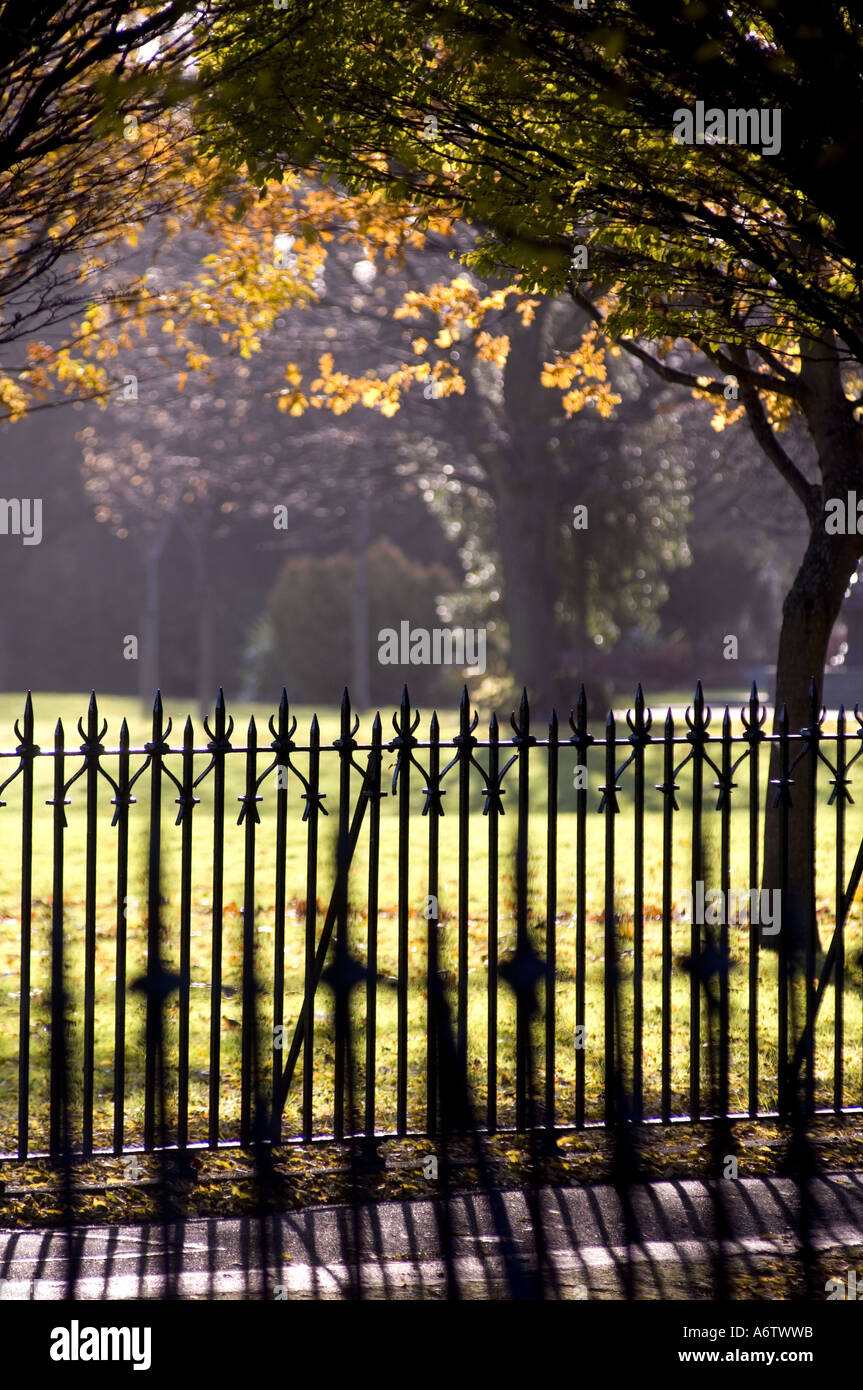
x=553, y=127
x=88, y=149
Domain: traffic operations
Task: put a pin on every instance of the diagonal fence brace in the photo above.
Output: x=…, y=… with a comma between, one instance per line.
x=829, y=962
x=339, y=887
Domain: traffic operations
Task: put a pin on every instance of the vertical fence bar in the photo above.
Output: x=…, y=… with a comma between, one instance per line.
x=403, y=914
x=249, y=1016
x=754, y=736
x=27, y=750
x=313, y=807
x=639, y=738
x=609, y=805
x=725, y=789
x=466, y=743
x=839, y=1014
x=523, y=741
x=808, y=909
x=122, y=802
x=185, y=801
x=434, y=809
x=374, y=794
x=58, y=983
x=282, y=745
x=345, y=745
x=154, y=914
x=551, y=927
x=218, y=747
x=491, y=808
x=90, y=747
x=784, y=802
x=581, y=738
x=669, y=805
x=696, y=737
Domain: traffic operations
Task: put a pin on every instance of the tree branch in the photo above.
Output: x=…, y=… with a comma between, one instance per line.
x=674, y=376
x=808, y=493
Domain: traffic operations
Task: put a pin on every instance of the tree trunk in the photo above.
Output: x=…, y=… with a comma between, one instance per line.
x=148, y=653
x=149, y=663
x=528, y=524
x=361, y=681
x=809, y=613
x=206, y=692
x=526, y=532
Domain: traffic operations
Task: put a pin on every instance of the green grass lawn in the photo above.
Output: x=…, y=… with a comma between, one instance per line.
x=49, y=707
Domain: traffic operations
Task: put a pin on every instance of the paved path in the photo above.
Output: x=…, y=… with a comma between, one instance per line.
x=400, y=1251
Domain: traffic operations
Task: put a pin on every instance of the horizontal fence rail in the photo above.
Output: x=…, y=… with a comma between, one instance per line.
x=216, y=942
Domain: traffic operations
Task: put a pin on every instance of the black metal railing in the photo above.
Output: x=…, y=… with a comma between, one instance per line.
x=570, y=994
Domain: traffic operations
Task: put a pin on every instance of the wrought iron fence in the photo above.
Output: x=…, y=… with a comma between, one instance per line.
x=571, y=994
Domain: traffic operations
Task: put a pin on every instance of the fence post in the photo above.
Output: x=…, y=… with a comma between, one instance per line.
x=639, y=737
x=122, y=802
x=610, y=807
x=813, y=741
x=374, y=794
x=433, y=980
x=697, y=737
x=153, y=1025
x=839, y=1015
x=466, y=744
x=726, y=786
x=523, y=741
x=493, y=809
x=551, y=929
x=282, y=745
x=218, y=746
x=345, y=744
x=754, y=736
x=404, y=742
x=313, y=808
x=783, y=802
x=186, y=801
x=669, y=806
x=59, y=1077
x=582, y=741
x=91, y=748
x=26, y=750
x=249, y=1079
